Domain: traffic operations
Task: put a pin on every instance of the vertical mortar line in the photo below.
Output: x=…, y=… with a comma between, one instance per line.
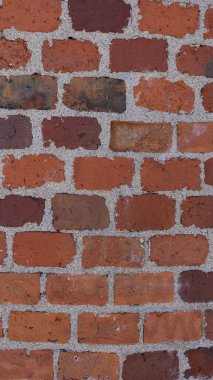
x=43, y=284
x=9, y=244
x=111, y=284
x=55, y=363
x=48, y=215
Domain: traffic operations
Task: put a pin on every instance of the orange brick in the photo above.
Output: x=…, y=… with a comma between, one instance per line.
x=14, y=53
x=209, y=23
x=19, y=288
x=195, y=137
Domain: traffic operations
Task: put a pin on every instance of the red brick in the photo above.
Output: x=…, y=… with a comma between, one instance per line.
x=195, y=286
x=39, y=327
x=15, y=132
x=97, y=15
x=108, y=251
x=70, y=55
x=209, y=23
x=18, y=288
x=174, y=19
x=99, y=173
x=209, y=324
x=145, y=212
x=172, y=326
x=195, y=60
x=200, y=362
x=164, y=95
x=207, y=96
x=179, y=250
x=208, y=168
x=3, y=247
x=43, y=249
x=14, y=53
x=140, y=137
x=85, y=289
x=30, y=15
x=195, y=137
x=88, y=365
x=151, y=55
x=108, y=328
x=198, y=211
x=25, y=364
x=136, y=289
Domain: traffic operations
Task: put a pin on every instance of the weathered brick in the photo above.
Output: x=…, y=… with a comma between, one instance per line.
x=151, y=366
x=179, y=250
x=72, y=132
x=140, y=137
x=30, y=15
x=173, y=19
x=97, y=15
x=99, y=173
x=151, y=55
x=28, y=92
x=85, y=289
x=16, y=211
x=15, y=132
x=26, y=364
x=3, y=247
x=170, y=175
x=43, y=249
x=172, y=326
x=88, y=365
x=209, y=23
x=14, y=53
x=195, y=137
x=164, y=95
x=208, y=168
x=200, y=363
x=39, y=327
x=79, y=212
x=207, y=96
x=195, y=286
x=198, y=211
x=145, y=212
x=209, y=324
x=195, y=60
x=20, y=288
x=108, y=328
x=136, y=289
x=95, y=94
x=107, y=251
x=70, y=55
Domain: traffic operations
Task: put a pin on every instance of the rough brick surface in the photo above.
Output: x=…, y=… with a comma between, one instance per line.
x=200, y=363
x=14, y=54
x=19, y=288
x=196, y=60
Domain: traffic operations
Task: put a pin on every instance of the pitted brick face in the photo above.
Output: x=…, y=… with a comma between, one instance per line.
x=15, y=132
x=14, y=54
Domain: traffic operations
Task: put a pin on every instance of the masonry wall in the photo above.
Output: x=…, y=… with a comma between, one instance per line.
x=106, y=204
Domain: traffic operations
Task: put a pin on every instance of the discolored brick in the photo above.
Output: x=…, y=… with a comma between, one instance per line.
x=208, y=23
x=196, y=286
x=195, y=137
x=207, y=96
x=208, y=168
x=195, y=60
x=14, y=54
x=198, y=211
x=209, y=324
x=15, y=132
x=200, y=363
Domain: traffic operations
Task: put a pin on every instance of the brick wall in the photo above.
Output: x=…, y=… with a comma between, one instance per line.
x=106, y=205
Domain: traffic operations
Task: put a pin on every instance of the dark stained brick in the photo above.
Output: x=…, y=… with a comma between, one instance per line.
x=209, y=324
x=207, y=95
x=15, y=132
x=200, y=363
x=196, y=286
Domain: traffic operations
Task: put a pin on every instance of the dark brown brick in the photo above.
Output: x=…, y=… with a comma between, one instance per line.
x=79, y=212
x=28, y=92
x=15, y=132
x=209, y=324
x=198, y=211
x=196, y=286
x=208, y=168
x=16, y=210
x=207, y=95
x=72, y=132
x=96, y=94
x=151, y=366
x=98, y=15
x=200, y=362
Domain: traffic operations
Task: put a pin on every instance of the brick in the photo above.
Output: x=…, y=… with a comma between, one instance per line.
x=18, y=288
x=70, y=55
x=108, y=251
x=170, y=175
x=28, y=92
x=195, y=286
x=207, y=96
x=164, y=95
x=200, y=363
x=159, y=327
x=32, y=171
x=72, y=132
x=16, y=211
x=151, y=366
x=174, y=19
x=108, y=328
x=25, y=364
x=85, y=289
x=79, y=212
x=195, y=137
x=39, y=327
x=97, y=15
x=151, y=55
x=140, y=137
x=95, y=94
x=15, y=132
x=43, y=249
x=179, y=250
x=3, y=247
x=88, y=365
x=30, y=15
x=209, y=324
x=209, y=23
x=198, y=211
x=14, y=53
x=208, y=168
x=136, y=289
x=195, y=60
x=99, y=173
x=145, y=212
